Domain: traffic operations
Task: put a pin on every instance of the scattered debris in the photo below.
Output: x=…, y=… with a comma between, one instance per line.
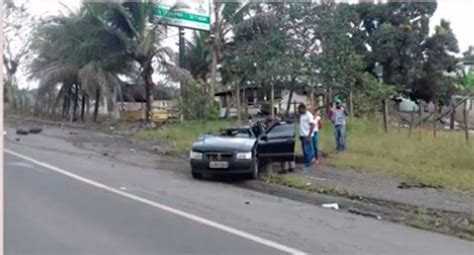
x=317, y=179
x=366, y=214
x=35, y=130
x=21, y=132
x=334, y=206
x=132, y=150
x=73, y=133
x=247, y=202
x=409, y=185
x=105, y=154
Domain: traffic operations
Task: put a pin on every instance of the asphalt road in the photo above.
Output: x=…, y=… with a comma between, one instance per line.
x=60, y=199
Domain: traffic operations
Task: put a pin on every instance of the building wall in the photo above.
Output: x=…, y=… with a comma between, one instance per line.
x=296, y=99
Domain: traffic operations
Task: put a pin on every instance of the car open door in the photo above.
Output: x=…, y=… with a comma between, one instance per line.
x=278, y=143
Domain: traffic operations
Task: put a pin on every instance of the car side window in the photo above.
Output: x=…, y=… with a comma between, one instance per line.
x=281, y=130
x=243, y=134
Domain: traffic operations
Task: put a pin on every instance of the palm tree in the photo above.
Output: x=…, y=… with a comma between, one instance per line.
x=140, y=28
x=197, y=56
x=81, y=53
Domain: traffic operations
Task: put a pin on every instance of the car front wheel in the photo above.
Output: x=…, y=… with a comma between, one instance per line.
x=197, y=176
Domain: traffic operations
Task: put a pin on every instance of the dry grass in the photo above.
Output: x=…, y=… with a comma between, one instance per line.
x=182, y=135
x=446, y=161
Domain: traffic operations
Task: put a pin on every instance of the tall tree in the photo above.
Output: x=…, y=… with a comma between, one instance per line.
x=139, y=27
x=439, y=49
x=17, y=27
x=338, y=63
x=79, y=52
x=390, y=34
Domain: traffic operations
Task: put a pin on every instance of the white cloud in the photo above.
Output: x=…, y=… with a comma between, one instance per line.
x=459, y=12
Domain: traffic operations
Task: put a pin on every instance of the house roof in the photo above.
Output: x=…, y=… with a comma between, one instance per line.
x=227, y=90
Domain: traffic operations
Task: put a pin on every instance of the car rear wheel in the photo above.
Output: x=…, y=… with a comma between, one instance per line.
x=197, y=176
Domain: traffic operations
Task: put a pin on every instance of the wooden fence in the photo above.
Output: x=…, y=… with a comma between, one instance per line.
x=459, y=114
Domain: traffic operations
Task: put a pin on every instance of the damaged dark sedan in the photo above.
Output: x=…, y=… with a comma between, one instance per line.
x=242, y=150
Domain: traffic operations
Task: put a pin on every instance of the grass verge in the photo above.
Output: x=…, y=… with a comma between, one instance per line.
x=447, y=161
x=182, y=135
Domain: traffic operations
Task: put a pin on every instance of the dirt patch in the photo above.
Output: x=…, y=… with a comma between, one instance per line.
x=459, y=224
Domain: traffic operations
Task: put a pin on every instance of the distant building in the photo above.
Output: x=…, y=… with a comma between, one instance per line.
x=468, y=60
x=132, y=102
x=255, y=100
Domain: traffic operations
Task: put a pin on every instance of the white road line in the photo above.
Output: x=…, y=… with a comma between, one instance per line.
x=183, y=214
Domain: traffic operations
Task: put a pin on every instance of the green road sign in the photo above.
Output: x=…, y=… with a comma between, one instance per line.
x=194, y=14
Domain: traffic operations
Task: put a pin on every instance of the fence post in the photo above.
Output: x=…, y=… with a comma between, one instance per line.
x=421, y=121
x=434, y=119
x=453, y=114
x=385, y=115
x=412, y=121
x=466, y=127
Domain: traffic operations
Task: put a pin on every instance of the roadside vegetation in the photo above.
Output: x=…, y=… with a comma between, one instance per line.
x=445, y=162
x=181, y=136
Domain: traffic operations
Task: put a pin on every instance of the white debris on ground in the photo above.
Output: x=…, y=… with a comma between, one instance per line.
x=334, y=206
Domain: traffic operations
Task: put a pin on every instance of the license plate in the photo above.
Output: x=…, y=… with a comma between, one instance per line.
x=218, y=164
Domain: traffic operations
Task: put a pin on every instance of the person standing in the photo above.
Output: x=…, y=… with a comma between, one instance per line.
x=306, y=134
x=337, y=115
x=315, y=138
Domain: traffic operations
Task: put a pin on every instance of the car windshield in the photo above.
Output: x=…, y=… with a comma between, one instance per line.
x=236, y=132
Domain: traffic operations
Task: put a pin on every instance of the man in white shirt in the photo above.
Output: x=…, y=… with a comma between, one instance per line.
x=306, y=133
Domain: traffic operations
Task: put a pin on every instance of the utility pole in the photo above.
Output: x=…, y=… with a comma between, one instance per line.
x=181, y=64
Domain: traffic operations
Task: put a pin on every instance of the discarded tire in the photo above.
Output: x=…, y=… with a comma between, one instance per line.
x=21, y=132
x=35, y=130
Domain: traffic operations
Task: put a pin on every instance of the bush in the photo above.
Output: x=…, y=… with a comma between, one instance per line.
x=212, y=113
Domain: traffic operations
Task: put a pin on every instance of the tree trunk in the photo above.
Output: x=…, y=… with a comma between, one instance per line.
x=466, y=122
x=246, y=104
x=453, y=114
x=149, y=87
x=65, y=105
x=88, y=106
x=83, y=106
x=272, y=99
x=385, y=115
x=237, y=99
x=290, y=97
x=351, y=103
x=69, y=102
x=213, y=76
x=215, y=42
x=112, y=108
x=97, y=103
x=76, y=103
